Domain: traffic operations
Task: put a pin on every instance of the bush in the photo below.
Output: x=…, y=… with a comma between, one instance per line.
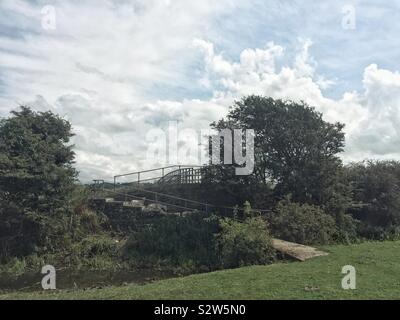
x=376, y=187
x=200, y=242
x=302, y=223
x=96, y=252
x=175, y=241
x=36, y=181
x=244, y=243
x=347, y=229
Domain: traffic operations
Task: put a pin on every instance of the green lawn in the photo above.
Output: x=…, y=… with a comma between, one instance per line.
x=377, y=265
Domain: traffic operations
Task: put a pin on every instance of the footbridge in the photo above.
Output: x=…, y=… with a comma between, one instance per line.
x=150, y=187
x=174, y=174
x=130, y=191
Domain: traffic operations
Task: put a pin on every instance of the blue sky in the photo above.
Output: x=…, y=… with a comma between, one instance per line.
x=116, y=69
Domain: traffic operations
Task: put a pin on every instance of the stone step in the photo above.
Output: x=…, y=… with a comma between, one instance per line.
x=141, y=204
x=134, y=203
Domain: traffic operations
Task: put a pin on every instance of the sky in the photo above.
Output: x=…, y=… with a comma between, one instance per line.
x=122, y=71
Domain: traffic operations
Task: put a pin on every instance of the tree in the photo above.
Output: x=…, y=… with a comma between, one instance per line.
x=294, y=147
x=36, y=177
x=376, y=186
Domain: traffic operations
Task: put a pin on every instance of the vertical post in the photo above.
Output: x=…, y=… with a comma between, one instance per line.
x=115, y=182
x=138, y=178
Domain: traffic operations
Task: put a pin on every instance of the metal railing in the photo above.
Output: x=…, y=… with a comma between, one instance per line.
x=160, y=173
x=175, y=202
x=182, y=176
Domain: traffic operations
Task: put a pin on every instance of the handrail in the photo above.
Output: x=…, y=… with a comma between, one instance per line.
x=207, y=206
x=187, y=174
x=155, y=201
x=156, y=169
x=168, y=196
x=138, y=173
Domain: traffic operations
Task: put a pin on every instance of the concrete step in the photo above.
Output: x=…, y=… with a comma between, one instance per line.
x=134, y=203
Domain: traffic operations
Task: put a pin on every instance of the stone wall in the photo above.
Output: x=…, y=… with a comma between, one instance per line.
x=129, y=216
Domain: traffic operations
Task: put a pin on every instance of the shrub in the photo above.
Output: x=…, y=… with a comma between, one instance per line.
x=176, y=241
x=376, y=187
x=347, y=229
x=95, y=252
x=244, y=243
x=302, y=223
x=36, y=181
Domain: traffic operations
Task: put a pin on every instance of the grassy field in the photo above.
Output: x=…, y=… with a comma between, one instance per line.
x=377, y=265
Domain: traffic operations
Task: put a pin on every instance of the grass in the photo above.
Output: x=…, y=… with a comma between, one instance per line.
x=377, y=265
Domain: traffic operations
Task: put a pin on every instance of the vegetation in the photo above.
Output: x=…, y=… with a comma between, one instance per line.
x=377, y=268
x=294, y=147
x=310, y=197
x=296, y=157
x=244, y=243
x=36, y=182
x=302, y=223
x=200, y=242
x=376, y=186
x=44, y=213
x=186, y=242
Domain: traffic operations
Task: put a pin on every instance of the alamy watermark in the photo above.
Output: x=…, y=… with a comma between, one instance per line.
x=349, y=280
x=49, y=280
x=349, y=17
x=188, y=146
x=49, y=18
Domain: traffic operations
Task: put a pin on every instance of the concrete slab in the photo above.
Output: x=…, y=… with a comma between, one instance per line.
x=297, y=251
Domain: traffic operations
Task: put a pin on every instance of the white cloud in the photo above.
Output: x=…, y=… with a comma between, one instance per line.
x=103, y=66
x=371, y=116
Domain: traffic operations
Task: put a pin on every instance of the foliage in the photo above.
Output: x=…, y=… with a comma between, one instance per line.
x=302, y=223
x=45, y=216
x=376, y=186
x=36, y=181
x=339, y=204
x=221, y=186
x=244, y=243
x=93, y=252
x=294, y=147
x=97, y=252
x=176, y=241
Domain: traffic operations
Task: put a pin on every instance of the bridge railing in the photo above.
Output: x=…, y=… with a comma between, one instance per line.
x=155, y=174
x=174, y=202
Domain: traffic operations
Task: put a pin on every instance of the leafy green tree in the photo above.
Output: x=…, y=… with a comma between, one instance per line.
x=36, y=179
x=222, y=187
x=295, y=148
x=376, y=186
